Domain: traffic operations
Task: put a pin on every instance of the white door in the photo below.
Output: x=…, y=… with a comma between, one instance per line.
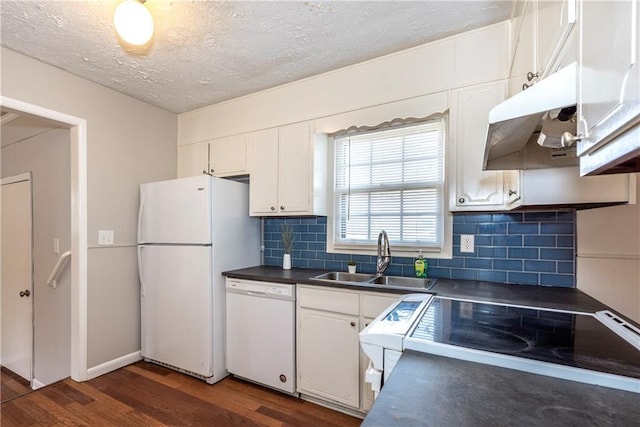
x=17, y=288
x=176, y=211
x=176, y=307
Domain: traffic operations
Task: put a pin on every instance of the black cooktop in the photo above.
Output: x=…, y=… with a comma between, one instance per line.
x=576, y=340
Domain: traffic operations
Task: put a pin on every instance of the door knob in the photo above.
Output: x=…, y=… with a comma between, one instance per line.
x=25, y=293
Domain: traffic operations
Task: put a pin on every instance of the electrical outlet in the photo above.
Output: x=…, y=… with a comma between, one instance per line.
x=105, y=237
x=466, y=243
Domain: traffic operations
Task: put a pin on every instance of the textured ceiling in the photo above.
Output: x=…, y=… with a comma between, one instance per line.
x=205, y=52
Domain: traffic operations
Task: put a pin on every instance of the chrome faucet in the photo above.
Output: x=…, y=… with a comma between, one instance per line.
x=384, y=253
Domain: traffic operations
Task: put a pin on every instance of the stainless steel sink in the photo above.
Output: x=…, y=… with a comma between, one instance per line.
x=403, y=282
x=338, y=276
x=396, y=281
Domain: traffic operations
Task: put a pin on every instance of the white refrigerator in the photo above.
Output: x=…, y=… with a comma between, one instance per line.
x=190, y=230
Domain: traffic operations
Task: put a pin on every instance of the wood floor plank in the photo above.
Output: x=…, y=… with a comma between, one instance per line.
x=63, y=394
x=12, y=385
x=166, y=404
x=62, y=415
x=13, y=415
x=41, y=416
x=143, y=394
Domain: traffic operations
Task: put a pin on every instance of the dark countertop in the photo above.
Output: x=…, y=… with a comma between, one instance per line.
x=430, y=390
x=304, y=276
x=274, y=274
x=531, y=296
x=525, y=295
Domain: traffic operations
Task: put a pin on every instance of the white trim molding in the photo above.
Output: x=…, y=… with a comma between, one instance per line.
x=78, y=131
x=114, y=364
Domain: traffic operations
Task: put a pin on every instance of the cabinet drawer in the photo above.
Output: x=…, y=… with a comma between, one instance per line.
x=329, y=300
x=374, y=304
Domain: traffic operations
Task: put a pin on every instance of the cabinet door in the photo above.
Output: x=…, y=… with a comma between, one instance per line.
x=328, y=356
x=476, y=189
x=609, y=72
x=294, y=157
x=193, y=159
x=555, y=30
x=524, y=53
x=263, y=191
x=228, y=156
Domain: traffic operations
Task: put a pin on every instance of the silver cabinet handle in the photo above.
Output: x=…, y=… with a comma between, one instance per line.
x=568, y=139
x=461, y=200
x=273, y=208
x=281, y=208
x=512, y=192
x=531, y=75
x=25, y=293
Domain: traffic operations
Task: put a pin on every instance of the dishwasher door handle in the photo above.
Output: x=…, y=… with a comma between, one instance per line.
x=256, y=294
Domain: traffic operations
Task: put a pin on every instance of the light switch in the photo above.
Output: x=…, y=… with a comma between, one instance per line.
x=105, y=237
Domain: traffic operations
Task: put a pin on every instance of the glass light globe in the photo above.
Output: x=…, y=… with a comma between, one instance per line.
x=133, y=22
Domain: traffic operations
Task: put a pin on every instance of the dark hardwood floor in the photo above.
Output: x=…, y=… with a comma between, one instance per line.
x=12, y=385
x=143, y=394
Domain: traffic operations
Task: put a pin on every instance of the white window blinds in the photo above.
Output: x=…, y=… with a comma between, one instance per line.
x=392, y=180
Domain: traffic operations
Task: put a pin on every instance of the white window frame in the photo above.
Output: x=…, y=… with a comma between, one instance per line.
x=445, y=252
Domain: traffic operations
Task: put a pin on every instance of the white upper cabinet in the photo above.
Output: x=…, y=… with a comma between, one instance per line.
x=193, y=159
x=474, y=188
x=263, y=188
x=219, y=157
x=543, y=35
x=228, y=156
x=608, y=83
x=555, y=35
x=288, y=173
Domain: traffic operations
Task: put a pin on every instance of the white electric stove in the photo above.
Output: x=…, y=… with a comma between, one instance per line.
x=599, y=348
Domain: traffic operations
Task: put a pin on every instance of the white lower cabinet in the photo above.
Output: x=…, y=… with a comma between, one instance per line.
x=330, y=364
x=328, y=356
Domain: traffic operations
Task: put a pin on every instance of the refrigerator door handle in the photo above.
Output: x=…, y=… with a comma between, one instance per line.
x=140, y=211
x=140, y=274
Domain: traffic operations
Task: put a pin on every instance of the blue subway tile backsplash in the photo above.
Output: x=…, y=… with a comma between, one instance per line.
x=532, y=248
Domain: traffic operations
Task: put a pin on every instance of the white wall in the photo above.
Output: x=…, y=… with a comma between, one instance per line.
x=128, y=142
x=47, y=157
x=471, y=58
x=608, y=250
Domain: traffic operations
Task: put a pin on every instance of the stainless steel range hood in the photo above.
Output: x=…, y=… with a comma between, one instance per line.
x=524, y=131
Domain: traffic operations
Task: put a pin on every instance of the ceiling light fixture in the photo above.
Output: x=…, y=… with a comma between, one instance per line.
x=133, y=22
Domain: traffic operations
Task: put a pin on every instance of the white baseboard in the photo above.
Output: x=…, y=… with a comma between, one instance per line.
x=112, y=365
x=35, y=384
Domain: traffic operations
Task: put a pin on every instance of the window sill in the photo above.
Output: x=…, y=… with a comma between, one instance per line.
x=404, y=251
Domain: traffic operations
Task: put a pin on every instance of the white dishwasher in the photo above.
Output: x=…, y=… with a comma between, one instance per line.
x=261, y=332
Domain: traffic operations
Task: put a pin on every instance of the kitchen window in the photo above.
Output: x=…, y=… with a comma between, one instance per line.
x=389, y=178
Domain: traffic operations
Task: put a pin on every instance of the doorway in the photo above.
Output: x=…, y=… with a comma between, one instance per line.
x=17, y=286
x=78, y=267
